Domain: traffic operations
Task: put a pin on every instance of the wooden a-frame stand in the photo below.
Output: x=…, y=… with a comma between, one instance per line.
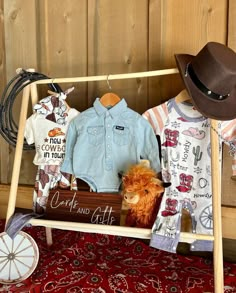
x=31, y=91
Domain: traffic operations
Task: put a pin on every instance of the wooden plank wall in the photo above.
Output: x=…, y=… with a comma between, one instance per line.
x=4, y=150
x=65, y=38
x=231, y=41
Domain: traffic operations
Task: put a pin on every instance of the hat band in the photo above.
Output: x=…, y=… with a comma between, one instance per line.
x=201, y=86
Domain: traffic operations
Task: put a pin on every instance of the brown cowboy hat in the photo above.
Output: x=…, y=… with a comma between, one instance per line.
x=210, y=79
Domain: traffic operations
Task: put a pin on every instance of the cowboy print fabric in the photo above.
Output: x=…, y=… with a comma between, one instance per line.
x=47, y=129
x=49, y=177
x=186, y=163
x=54, y=108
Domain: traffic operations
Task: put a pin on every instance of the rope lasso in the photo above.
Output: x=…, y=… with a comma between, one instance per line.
x=8, y=126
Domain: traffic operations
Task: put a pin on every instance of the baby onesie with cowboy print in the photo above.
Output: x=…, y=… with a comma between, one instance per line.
x=47, y=128
x=186, y=163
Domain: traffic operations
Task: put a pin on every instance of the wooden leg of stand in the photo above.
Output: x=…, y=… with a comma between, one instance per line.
x=18, y=154
x=49, y=236
x=216, y=202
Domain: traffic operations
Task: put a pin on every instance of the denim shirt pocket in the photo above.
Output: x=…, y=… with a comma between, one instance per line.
x=95, y=134
x=120, y=135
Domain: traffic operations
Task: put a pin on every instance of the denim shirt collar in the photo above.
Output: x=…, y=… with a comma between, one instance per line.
x=113, y=111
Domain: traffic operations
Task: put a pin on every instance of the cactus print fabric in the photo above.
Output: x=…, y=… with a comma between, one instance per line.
x=186, y=163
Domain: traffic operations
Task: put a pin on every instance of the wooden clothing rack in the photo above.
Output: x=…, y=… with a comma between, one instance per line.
x=31, y=91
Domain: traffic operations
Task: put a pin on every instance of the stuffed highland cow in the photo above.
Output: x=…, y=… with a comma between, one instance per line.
x=142, y=192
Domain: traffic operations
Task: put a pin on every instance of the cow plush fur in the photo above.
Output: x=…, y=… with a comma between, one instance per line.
x=142, y=192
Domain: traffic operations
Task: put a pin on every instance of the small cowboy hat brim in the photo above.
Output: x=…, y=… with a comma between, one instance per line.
x=208, y=107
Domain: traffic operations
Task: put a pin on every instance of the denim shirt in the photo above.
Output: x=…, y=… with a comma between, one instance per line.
x=102, y=143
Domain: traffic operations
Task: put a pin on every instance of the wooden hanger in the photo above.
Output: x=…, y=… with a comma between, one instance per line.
x=183, y=96
x=109, y=99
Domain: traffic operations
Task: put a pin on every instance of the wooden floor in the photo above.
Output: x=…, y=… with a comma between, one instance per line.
x=24, y=200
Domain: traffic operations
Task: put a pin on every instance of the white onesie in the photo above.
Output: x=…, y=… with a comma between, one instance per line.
x=47, y=128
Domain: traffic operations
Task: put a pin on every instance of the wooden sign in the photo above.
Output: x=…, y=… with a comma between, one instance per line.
x=84, y=207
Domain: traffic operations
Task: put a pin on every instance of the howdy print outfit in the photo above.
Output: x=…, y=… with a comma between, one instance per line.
x=186, y=163
x=47, y=129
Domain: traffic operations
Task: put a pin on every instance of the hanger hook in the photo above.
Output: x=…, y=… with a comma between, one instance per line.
x=108, y=82
x=53, y=86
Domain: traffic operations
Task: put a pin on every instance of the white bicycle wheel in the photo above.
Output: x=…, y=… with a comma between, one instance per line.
x=18, y=257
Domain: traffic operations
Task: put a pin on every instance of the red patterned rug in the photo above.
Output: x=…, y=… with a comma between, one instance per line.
x=95, y=263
